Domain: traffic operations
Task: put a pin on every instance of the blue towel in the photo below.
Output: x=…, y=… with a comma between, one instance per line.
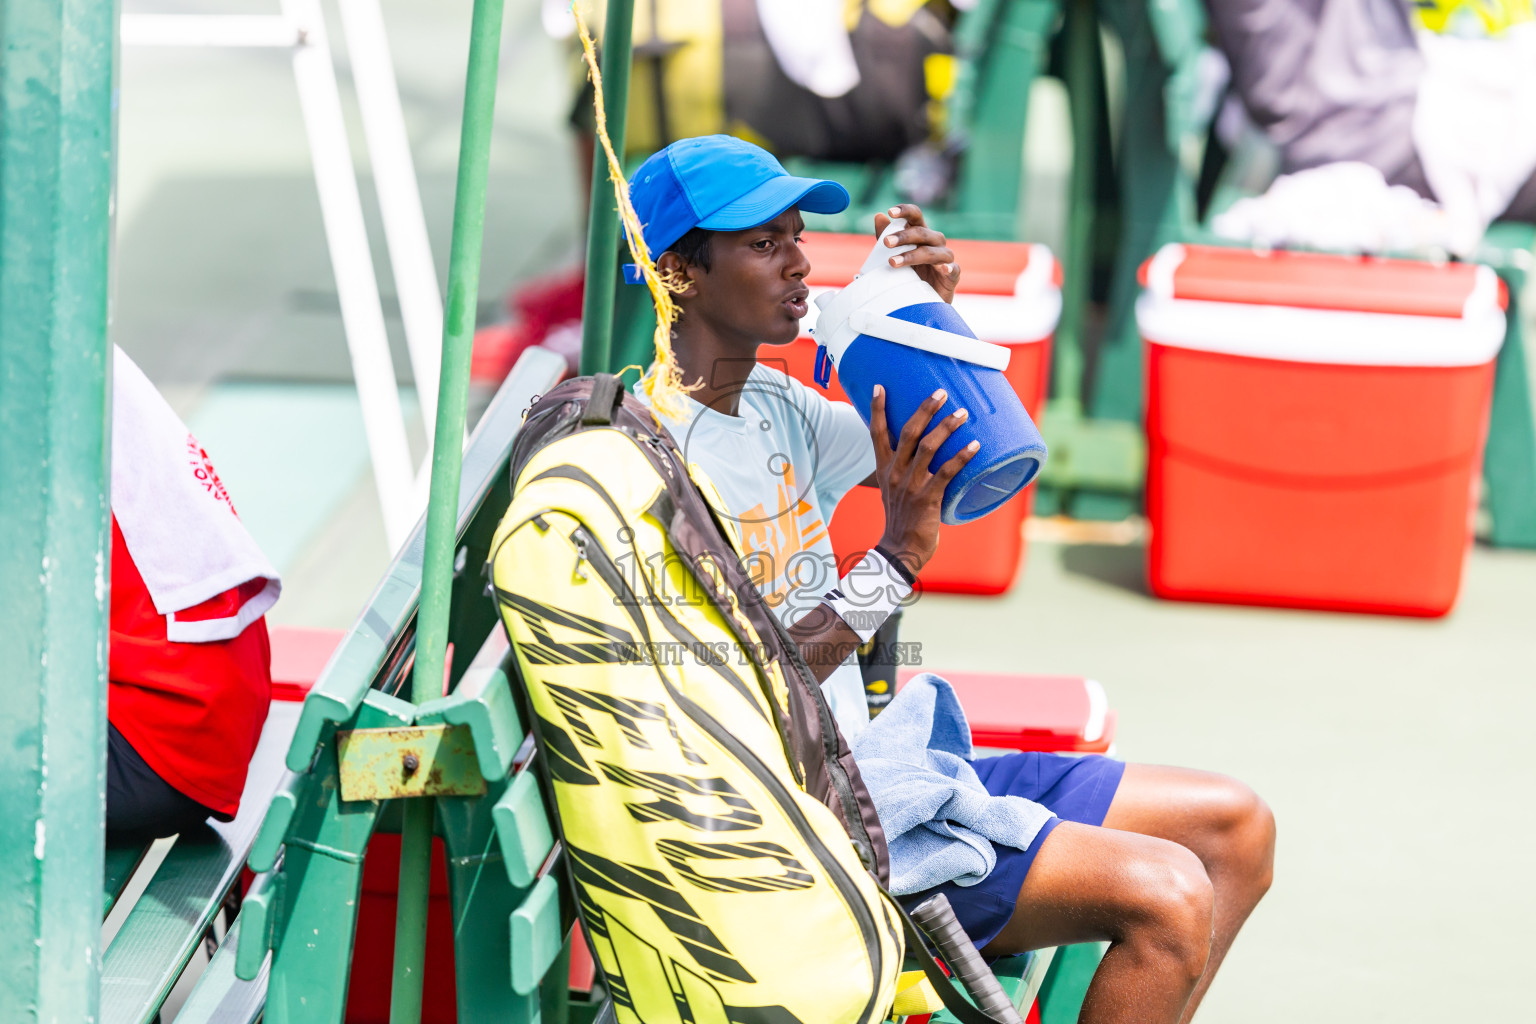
x=940, y=822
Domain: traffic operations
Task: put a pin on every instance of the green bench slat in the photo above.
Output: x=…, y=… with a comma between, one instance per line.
x=523, y=829
x=121, y=863
x=483, y=702
x=221, y=998
x=274, y=825
x=164, y=927
x=536, y=937
x=258, y=914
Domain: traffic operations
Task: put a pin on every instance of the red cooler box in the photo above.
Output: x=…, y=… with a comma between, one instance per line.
x=1315, y=426
x=1059, y=714
x=1010, y=294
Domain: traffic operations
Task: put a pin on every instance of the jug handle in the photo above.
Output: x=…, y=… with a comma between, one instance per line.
x=822, y=373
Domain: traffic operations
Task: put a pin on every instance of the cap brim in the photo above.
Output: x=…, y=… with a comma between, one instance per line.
x=773, y=197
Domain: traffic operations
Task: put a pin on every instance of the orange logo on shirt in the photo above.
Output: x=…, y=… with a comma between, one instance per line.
x=773, y=539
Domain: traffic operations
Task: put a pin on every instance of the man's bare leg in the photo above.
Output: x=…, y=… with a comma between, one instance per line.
x=1222, y=822
x=1148, y=897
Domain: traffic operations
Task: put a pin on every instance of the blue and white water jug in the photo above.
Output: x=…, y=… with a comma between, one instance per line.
x=889, y=327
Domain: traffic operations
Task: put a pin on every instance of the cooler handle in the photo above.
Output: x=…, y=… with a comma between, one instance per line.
x=930, y=339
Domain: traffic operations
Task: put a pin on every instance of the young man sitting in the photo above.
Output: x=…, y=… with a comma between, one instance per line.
x=1163, y=863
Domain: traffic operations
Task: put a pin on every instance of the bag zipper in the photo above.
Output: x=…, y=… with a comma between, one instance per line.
x=608, y=571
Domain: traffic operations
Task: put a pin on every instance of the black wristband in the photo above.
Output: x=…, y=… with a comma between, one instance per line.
x=896, y=563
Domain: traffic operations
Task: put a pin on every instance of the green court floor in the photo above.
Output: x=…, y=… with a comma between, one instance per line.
x=1396, y=754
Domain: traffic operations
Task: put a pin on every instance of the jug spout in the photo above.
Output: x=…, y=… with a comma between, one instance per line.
x=878, y=288
x=879, y=257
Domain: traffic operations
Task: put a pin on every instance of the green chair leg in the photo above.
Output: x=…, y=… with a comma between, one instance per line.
x=1162, y=40
x=1509, y=464
x=322, y=873
x=987, y=193
x=1065, y=985
x=483, y=902
x=1157, y=199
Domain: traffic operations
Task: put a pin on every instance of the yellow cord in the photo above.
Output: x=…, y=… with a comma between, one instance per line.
x=663, y=382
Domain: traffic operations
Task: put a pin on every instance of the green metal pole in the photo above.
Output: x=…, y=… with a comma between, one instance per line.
x=603, y=218
x=1084, y=74
x=443, y=505
x=56, y=91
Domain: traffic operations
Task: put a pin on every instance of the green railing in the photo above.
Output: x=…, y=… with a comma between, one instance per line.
x=56, y=133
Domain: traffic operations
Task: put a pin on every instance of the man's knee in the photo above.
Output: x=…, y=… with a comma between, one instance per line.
x=1247, y=834
x=1175, y=907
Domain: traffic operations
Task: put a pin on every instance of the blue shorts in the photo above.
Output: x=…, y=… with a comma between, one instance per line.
x=1072, y=788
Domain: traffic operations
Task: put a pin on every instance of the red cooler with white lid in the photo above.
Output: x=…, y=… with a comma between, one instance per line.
x=1009, y=294
x=1013, y=711
x=1315, y=425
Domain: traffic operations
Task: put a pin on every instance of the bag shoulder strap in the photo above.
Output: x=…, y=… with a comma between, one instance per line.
x=607, y=393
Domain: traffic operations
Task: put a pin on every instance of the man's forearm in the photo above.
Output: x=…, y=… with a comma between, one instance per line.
x=853, y=611
x=824, y=639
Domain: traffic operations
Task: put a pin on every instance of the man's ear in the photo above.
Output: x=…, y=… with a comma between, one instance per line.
x=670, y=264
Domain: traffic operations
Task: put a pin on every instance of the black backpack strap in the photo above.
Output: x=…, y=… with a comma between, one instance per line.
x=607, y=393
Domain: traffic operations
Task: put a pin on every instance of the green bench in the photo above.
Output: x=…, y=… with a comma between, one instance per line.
x=511, y=923
x=185, y=892
x=307, y=844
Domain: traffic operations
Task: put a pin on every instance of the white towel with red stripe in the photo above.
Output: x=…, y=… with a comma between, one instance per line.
x=178, y=520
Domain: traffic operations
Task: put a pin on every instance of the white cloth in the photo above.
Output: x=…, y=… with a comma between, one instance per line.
x=1343, y=206
x=1475, y=125
x=809, y=39
x=780, y=467
x=177, y=518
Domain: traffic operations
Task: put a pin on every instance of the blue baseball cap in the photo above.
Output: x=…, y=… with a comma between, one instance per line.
x=720, y=183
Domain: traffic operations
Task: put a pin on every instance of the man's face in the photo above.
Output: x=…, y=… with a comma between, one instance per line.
x=754, y=288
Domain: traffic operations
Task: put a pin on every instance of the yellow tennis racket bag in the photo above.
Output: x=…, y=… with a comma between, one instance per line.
x=724, y=852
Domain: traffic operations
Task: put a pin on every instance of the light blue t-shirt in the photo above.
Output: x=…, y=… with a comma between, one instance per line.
x=781, y=466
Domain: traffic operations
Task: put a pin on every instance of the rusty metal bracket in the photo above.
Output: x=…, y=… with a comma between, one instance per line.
x=417, y=760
